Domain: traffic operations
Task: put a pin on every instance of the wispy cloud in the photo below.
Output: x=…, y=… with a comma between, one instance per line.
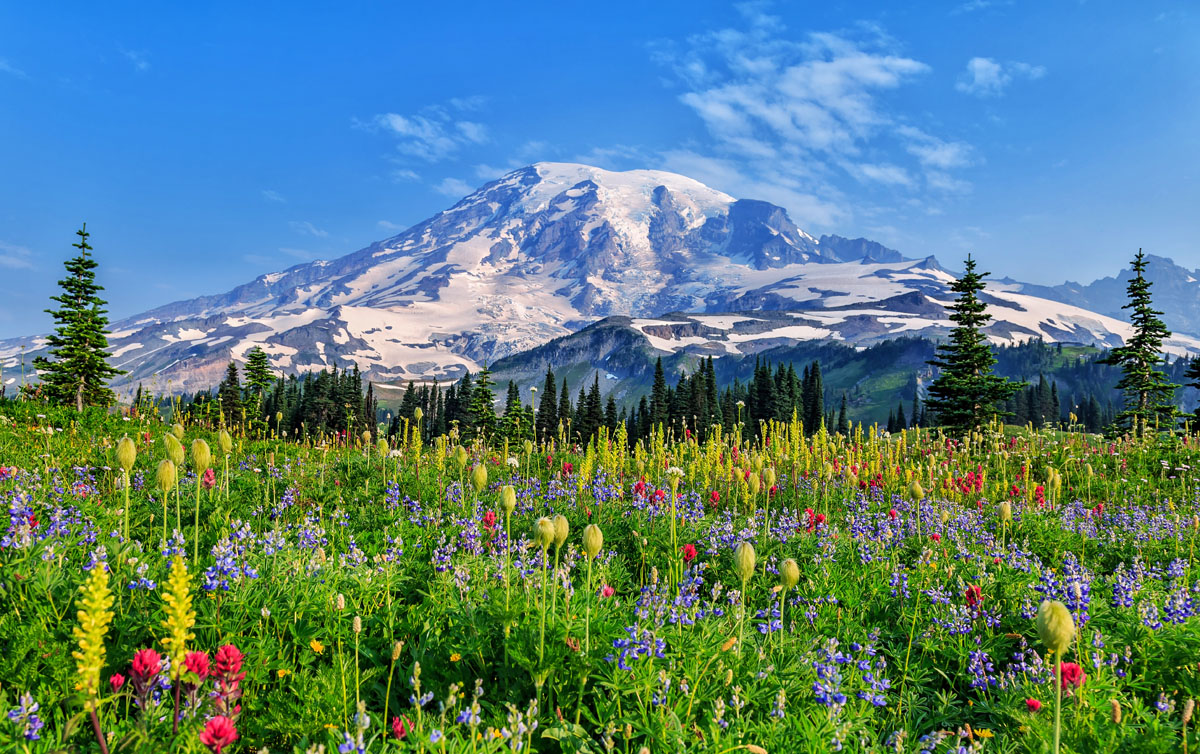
x=11, y=70
x=454, y=187
x=388, y=225
x=304, y=226
x=801, y=120
x=302, y=254
x=984, y=77
x=436, y=132
x=273, y=196
x=974, y=6
x=139, y=58
x=15, y=257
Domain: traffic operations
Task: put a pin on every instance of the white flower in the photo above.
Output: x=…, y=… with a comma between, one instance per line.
x=512, y=461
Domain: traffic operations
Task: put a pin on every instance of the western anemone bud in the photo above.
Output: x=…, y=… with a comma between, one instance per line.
x=528, y=447
x=418, y=414
x=1006, y=512
x=201, y=456
x=789, y=574
x=508, y=498
x=1055, y=626
x=460, y=456
x=479, y=477
x=769, y=477
x=382, y=447
x=357, y=624
x=561, y=530
x=177, y=430
x=916, y=491
x=174, y=449
x=945, y=517
x=743, y=561
x=543, y=532
x=278, y=417
x=593, y=540
x=126, y=453
x=1087, y=469
x=225, y=441
x=165, y=476
x=755, y=483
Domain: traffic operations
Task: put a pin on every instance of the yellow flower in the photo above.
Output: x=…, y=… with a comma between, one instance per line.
x=282, y=672
x=316, y=646
x=984, y=733
x=180, y=615
x=455, y=657
x=95, y=613
x=330, y=726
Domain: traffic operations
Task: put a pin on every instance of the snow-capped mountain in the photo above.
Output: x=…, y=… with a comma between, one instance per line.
x=547, y=249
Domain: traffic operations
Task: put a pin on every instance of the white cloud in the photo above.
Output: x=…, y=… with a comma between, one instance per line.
x=273, y=196
x=454, y=187
x=435, y=133
x=15, y=257
x=304, y=226
x=387, y=225
x=138, y=58
x=800, y=120
x=11, y=70
x=985, y=77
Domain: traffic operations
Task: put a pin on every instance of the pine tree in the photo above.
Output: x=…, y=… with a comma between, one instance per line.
x=966, y=393
x=258, y=371
x=78, y=370
x=547, y=413
x=658, y=396
x=230, y=393
x=1149, y=397
x=843, y=425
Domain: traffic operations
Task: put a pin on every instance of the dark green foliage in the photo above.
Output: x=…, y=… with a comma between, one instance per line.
x=966, y=394
x=78, y=371
x=1149, y=395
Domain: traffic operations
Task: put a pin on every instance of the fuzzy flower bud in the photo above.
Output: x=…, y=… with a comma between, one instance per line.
x=201, y=456
x=508, y=498
x=418, y=414
x=225, y=441
x=593, y=540
x=543, y=532
x=1006, y=512
x=916, y=491
x=126, y=453
x=1055, y=626
x=1116, y=711
x=789, y=574
x=479, y=477
x=165, y=476
x=561, y=529
x=357, y=624
x=743, y=561
x=177, y=430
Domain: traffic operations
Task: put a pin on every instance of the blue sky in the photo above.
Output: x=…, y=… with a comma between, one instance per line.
x=208, y=143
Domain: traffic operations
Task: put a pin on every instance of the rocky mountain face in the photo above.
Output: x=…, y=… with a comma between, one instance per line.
x=550, y=248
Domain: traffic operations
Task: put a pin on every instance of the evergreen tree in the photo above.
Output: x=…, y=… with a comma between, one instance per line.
x=1149, y=396
x=658, y=396
x=78, y=370
x=230, y=395
x=258, y=372
x=1193, y=380
x=843, y=425
x=966, y=393
x=547, y=413
x=483, y=404
x=565, y=415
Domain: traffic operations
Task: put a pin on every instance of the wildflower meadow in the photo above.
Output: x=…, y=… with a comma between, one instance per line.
x=184, y=588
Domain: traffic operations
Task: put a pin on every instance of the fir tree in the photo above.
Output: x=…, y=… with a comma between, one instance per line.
x=966, y=393
x=78, y=370
x=843, y=425
x=658, y=396
x=230, y=395
x=1149, y=396
x=547, y=413
x=258, y=371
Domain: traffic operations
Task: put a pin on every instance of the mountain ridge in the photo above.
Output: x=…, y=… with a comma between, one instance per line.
x=552, y=247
